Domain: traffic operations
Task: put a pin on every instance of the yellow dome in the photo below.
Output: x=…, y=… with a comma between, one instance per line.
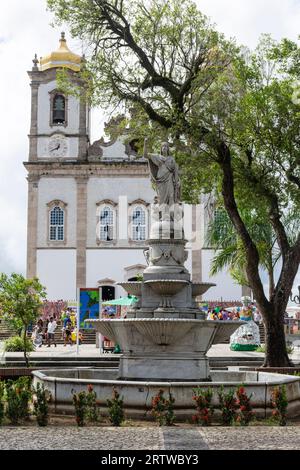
x=63, y=57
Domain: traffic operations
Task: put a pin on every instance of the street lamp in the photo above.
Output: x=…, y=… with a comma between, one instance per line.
x=296, y=298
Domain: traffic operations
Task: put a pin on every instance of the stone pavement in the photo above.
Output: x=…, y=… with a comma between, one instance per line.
x=150, y=438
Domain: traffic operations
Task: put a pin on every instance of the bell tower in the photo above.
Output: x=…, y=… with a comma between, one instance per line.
x=58, y=148
x=59, y=123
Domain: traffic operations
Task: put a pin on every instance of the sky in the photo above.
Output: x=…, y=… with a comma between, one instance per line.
x=25, y=30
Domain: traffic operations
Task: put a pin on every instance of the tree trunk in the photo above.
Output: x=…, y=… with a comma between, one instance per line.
x=271, y=283
x=25, y=346
x=276, y=353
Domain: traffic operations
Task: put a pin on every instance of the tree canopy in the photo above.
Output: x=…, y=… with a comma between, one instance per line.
x=232, y=115
x=20, y=302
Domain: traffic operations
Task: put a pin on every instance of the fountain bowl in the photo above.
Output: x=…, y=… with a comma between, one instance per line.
x=132, y=288
x=166, y=287
x=165, y=348
x=199, y=288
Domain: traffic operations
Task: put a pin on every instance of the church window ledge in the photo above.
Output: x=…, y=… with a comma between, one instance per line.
x=106, y=243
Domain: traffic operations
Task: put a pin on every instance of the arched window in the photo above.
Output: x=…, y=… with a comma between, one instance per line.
x=59, y=109
x=106, y=224
x=57, y=223
x=139, y=224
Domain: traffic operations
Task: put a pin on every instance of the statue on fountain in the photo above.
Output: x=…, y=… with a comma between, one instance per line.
x=164, y=174
x=165, y=335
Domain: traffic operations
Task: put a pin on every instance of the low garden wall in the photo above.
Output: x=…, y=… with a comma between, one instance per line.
x=62, y=384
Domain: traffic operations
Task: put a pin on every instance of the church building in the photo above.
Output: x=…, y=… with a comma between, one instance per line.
x=89, y=203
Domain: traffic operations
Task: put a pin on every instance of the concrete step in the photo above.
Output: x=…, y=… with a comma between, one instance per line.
x=107, y=358
x=61, y=364
x=110, y=360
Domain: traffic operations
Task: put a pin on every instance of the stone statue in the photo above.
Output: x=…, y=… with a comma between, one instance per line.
x=246, y=337
x=164, y=174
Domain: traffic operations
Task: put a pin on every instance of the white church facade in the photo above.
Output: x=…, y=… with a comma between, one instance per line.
x=89, y=204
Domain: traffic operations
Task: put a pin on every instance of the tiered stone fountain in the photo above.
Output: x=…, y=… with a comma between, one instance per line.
x=165, y=336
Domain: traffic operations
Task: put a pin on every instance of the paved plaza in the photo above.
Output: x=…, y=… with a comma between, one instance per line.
x=150, y=438
x=90, y=350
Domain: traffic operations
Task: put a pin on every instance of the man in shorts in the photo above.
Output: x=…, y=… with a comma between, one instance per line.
x=50, y=331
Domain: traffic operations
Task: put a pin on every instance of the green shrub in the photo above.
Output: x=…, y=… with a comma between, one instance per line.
x=18, y=396
x=16, y=344
x=91, y=401
x=40, y=403
x=289, y=348
x=2, y=392
x=163, y=409
x=228, y=405
x=80, y=404
x=23, y=384
x=115, y=409
x=13, y=409
x=279, y=404
x=245, y=414
x=204, y=407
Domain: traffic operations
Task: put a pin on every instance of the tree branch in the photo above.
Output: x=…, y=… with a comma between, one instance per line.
x=124, y=33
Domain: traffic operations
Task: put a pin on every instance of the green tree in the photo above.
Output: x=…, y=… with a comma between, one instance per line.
x=21, y=300
x=231, y=114
x=222, y=236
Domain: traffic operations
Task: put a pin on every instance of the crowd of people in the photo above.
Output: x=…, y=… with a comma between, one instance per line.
x=232, y=313
x=44, y=330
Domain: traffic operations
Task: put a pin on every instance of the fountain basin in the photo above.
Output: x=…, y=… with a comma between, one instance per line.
x=166, y=287
x=199, y=288
x=165, y=348
x=137, y=395
x=132, y=288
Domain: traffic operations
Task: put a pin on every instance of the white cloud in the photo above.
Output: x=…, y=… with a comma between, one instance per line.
x=248, y=19
x=25, y=30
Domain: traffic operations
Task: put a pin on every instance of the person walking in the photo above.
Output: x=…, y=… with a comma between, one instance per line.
x=37, y=336
x=68, y=333
x=50, y=331
x=66, y=319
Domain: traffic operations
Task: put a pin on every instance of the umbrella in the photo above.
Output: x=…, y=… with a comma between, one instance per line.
x=122, y=301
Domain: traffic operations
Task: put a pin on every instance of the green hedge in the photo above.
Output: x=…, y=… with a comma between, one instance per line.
x=16, y=344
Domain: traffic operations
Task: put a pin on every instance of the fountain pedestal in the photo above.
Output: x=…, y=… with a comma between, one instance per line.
x=165, y=336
